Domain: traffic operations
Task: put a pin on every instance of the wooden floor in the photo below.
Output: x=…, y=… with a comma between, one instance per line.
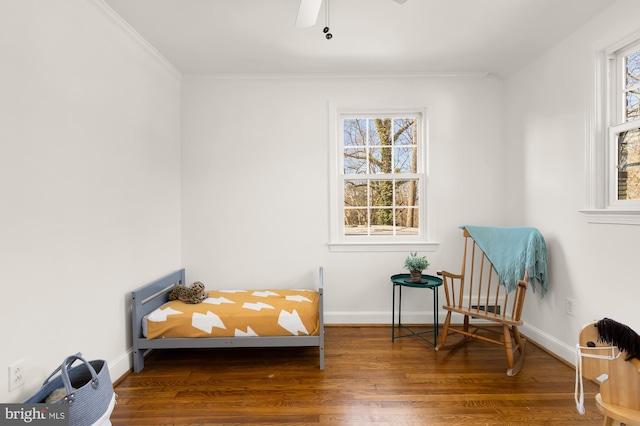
x=367, y=380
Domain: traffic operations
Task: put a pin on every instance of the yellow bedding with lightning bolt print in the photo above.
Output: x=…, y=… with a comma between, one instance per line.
x=236, y=313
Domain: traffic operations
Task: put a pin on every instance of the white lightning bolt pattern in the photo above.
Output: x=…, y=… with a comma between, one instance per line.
x=217, y=300
x=160, y=315
x=249, y=333
x=206, y=322
x=265, y=293
x=257, y=306
x=292, y=322
x=298, y=298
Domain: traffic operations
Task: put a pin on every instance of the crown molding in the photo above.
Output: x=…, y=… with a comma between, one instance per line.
x=111, y=14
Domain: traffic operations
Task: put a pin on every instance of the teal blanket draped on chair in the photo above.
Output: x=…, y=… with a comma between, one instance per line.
x=512, y=251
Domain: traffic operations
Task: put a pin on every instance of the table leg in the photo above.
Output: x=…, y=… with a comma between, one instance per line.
x=393, y=312
x=435, y=315
x=399, y=307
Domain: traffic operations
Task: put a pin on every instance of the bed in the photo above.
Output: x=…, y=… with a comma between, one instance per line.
x=151, y=299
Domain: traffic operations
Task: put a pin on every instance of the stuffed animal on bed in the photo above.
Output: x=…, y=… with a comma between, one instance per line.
x=192, y=294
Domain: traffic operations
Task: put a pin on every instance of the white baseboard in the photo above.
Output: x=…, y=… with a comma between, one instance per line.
x=355, y=318
x=550, y=343
x=121, y=365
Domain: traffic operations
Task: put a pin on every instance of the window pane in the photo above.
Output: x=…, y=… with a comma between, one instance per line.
x=403, y=160
x=407, y=193
x=382, y=193
x=380, y=132
x=382, y=221
x=633, y=105
x=380, y=160
x=354, y=131
x=404, y=131
x=407, y=222
x=633, y=69
x=629, y=165
x=355, y=193
x=355, y=161
x=356, y=222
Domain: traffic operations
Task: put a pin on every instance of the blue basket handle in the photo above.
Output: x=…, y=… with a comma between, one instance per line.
x=64, y=371
x=58, y=369
x=67, y=381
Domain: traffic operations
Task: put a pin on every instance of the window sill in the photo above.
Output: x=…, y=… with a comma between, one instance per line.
x=611, y=216
x=383, y=247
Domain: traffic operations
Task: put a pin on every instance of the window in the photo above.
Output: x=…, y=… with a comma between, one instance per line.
x=614, y=155
x=378, y=184
x=624, y=129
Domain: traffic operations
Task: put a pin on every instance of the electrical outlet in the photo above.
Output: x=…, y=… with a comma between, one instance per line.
x=570, y=307
x=16, y=375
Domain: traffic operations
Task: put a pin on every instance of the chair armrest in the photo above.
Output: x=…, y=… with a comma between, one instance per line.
x=448, y=274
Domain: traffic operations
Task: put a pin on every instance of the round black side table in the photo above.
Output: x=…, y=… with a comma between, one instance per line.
x=404, y=280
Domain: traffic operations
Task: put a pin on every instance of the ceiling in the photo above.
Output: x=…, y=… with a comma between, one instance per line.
x=252, y=37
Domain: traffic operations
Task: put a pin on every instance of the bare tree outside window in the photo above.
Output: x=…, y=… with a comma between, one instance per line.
x=629, y=165
x=381, y=168
x=632, y=86
x=628, y=142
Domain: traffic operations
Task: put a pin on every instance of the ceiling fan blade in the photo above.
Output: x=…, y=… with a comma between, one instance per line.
x=308, y=13
x=400, y=1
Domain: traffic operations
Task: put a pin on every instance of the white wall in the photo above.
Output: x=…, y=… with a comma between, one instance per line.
x=89, y=180
x=255, y=182
x=546, y=119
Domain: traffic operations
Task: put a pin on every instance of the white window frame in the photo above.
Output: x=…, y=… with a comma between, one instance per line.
x=338, y=241
x=604, y=122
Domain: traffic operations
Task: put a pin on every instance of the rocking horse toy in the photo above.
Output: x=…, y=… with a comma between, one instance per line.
x=609, y=353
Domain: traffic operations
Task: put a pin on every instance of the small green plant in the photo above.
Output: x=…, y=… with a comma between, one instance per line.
x=415, y=263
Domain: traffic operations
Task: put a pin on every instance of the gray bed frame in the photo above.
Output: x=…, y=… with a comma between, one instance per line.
x=151, y=296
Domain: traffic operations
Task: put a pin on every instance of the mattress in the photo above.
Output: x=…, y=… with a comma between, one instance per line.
x=237, y=313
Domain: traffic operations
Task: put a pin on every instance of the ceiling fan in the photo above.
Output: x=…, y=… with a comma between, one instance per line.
x=309, y=10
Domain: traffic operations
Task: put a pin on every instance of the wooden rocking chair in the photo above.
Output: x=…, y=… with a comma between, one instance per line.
x=608, y=354
x=477, y=293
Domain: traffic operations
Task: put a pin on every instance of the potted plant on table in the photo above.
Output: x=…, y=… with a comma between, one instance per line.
x=416, y=265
